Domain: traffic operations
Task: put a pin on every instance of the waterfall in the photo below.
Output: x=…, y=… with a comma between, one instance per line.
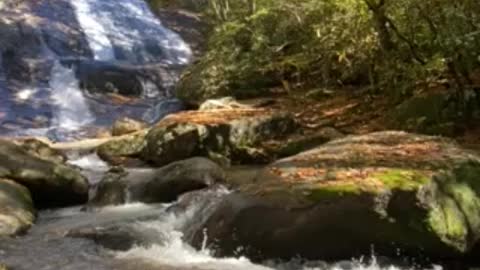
x=72, y=110
x=127, y=30
x=94, y=31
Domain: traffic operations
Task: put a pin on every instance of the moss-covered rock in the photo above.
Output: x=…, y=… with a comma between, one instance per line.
x=210, y=79
x=226, y=136
x=43, y=150
x=429, y=113
x=16, y=209
x=130, y=145
x=390, y=190
x=51, y=183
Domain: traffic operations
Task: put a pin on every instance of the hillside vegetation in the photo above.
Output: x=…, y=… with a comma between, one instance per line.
x=388, y=48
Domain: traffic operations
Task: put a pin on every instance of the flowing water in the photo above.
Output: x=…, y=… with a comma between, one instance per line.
x=76, y=239
x=122, y=35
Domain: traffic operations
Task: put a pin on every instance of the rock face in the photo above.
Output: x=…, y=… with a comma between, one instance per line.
x=51, y=184
x=16, y=208
x=392, y=191
x=157, y=185
x=226, y=136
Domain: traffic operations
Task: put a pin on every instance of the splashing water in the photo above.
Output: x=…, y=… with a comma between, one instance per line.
x=46, y=247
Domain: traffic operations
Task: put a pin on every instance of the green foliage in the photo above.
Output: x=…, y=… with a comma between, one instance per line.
x=394, y=47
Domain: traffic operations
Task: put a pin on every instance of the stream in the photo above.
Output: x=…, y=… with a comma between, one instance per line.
x=121, y=35
x=75, y=239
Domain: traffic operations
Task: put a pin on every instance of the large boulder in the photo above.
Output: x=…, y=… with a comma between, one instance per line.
x=393, y=191
x=16, y=208
x=157, y=185
x=51, y=183
x=226, y=136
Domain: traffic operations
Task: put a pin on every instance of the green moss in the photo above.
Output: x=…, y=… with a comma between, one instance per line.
x=448, y=223
x=333, y=191
x=402, y=179
x=455, y=209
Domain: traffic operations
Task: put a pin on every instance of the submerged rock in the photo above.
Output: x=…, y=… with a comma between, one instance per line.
x=393, y=191
x=119, y=238
x=51, y=184
x=16, y=209
x=157, y=185
x=226, y=136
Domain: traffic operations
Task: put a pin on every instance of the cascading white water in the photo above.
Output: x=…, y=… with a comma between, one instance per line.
x=96, y=34
x=127, y=30
x=72, y=111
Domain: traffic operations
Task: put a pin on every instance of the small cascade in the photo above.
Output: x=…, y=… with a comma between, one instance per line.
x=72, y=111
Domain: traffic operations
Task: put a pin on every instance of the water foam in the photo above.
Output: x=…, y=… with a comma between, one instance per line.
x=176, y=253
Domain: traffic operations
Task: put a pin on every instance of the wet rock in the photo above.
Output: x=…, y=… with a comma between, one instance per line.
x=126, y=126
x=107, y=77
x=51, y=184
x=226, y=136
x=118, y=148
x=16, y=209
x=119, y=238
x=112, y=190
x=157, y=185
x=391, y=190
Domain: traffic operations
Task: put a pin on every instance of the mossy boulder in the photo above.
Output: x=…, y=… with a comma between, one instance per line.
x=211, y=79
x=16, y=208
x=430, y=113
x=42, y=149
x=51, y=183
x=227, y=136
x=129, y=145
x=392, y=191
